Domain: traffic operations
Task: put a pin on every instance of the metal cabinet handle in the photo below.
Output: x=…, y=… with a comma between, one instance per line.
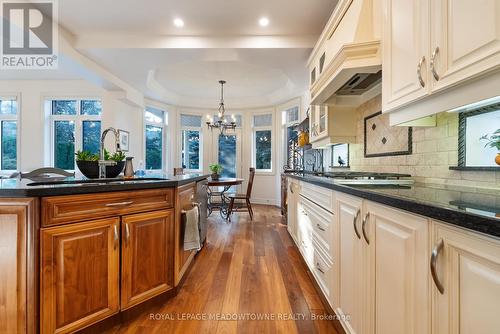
x=363, y=227
x=435, y=253
x=433, y=62
x=291, y=188
x=116, y=237
x=419, y=71
x=319, y=268
x=127, y=233
x=304, y=244
x=119, y=203
x=320, y=228
x=354, y=221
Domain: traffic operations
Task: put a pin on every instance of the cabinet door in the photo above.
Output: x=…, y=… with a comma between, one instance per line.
x=79, y=274
x=468, y=266
x=322, y=121
x=349, y=306
x=398, y=281
x=292, y=209
x=406, y=45
x=147, y=256
x=313, y=123
x=468, y=38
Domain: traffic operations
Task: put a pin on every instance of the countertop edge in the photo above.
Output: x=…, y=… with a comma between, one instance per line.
x=470, y=221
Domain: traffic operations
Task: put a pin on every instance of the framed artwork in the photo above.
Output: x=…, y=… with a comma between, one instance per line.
x=124, y=140
x=382, y=140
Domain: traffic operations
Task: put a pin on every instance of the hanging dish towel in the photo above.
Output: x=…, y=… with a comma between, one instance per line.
x=191, y=229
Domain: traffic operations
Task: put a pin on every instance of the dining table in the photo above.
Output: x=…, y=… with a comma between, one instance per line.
x=223, y=205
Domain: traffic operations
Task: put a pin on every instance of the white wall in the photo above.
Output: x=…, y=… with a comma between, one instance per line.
x=33, y=138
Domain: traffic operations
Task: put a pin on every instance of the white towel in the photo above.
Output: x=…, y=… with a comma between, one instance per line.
x=191, y=229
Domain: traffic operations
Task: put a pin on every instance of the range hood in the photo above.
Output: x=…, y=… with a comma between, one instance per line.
x=351, y=73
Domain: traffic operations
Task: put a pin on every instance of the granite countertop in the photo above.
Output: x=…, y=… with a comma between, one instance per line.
x=472, y=208
x=81, y=185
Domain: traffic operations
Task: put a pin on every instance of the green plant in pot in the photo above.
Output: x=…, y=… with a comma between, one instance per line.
x=493, y=140
x=216, y=169
x=88, y=163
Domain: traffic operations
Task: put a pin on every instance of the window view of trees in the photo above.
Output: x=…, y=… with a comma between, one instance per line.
x=154, y=145
x=263, y=149
x=227, y=155
x=8, y=133
x=191, y=149
x=76, y=125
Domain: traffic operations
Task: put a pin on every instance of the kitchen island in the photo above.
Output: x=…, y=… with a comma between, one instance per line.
x=75, y=251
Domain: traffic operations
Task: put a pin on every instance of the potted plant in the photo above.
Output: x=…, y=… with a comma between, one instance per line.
x=88, y=163
x=493, y=140
x=216, y=169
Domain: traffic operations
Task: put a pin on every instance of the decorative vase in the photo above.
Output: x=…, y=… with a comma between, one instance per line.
x=91, y=169
x=497, y=159
x=215, y=176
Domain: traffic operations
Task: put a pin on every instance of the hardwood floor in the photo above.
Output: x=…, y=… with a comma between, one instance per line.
x=247, y=269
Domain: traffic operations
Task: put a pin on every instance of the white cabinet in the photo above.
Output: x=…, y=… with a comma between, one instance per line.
x=292, y=198
x=351, y=275
x=398, y=261
x=405, y=49
x=318, y=122
x=468, y=268
x=465, y=40
x=430, y=46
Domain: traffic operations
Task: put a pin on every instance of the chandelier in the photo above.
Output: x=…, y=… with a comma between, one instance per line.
x=222, y=123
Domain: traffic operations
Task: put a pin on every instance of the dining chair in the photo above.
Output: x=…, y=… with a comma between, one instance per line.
x=178, y=171
x=233, y=206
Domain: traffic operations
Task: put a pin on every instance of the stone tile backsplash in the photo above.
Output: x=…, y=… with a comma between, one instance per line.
x=434, y=150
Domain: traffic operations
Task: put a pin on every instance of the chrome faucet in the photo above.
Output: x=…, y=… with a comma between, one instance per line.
x=103, y=163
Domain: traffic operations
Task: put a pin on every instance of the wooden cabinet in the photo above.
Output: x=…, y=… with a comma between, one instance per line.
x=467, y=266
x=465, y=40
x=405, y=50
x=351, y=269
x=146, y=252
x=79, y=274
x=430, y=46
x=17, y=265
x=182, y=259
x=398, y=262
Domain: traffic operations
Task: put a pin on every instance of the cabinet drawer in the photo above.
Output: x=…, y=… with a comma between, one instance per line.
x=318, y=195
x=73, y=208
x=322, y=269
x=321, y=223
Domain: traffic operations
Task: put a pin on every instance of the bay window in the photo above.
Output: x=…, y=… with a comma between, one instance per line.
x=75, y=125
x=262, y=142
x=190, y=142
x=155, y=129
x=8, y=133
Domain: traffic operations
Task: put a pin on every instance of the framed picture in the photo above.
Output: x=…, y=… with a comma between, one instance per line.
x=382, y=139
x=124, y=140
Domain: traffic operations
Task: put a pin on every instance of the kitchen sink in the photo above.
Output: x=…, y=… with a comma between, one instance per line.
x=95, y=182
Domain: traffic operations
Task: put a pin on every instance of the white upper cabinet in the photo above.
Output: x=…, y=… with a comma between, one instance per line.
x=405, y=48
x=465, y=40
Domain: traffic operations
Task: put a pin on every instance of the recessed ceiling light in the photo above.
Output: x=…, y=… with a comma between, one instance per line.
x=263, y=21
x=178, y=22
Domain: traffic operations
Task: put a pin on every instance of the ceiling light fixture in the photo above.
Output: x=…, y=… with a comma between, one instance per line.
x=263, y=21
x=178, y=22
x=222, y=124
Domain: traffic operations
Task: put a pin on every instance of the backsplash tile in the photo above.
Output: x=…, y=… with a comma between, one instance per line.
x=434, y=150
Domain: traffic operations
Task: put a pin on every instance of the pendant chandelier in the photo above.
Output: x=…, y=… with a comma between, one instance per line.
x=222, y=124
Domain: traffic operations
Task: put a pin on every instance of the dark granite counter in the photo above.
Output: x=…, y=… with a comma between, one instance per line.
x=81, y=185
x=475, y=209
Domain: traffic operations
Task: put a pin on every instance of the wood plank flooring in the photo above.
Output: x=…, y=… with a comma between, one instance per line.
x=248, y=270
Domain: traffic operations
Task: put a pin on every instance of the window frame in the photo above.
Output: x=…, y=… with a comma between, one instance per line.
x=17, y=119
x=269, y=171
x=285, y=124
x=192, y=128
x=78, y=119
x=332, y=157
x=164, y=146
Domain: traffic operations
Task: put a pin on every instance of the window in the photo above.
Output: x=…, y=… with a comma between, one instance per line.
x=190, y=142
x=155, y=121
x=262, y=154
x=289, y=121
x=474, y=150
x=8, y=133
x=340, y=155
x=75, y=125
